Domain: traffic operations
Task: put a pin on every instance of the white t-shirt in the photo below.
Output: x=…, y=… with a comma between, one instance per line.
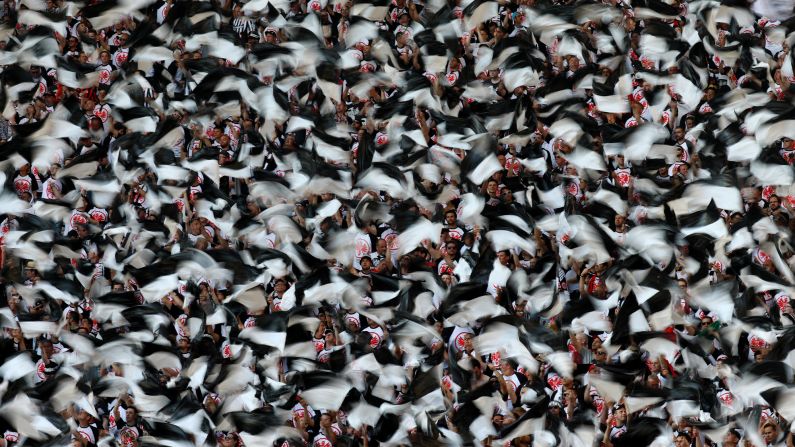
x=40, y=376
x=457, y=337
x=376, y=335
x=104, y=74
x=321, y=441
x=298, y=411
x=88, y=433
x=51, y=189
x=162, y=12
x=76, y=218
x=119, y=57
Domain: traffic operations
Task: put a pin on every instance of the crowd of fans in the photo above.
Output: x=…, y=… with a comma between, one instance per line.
x=95, y=222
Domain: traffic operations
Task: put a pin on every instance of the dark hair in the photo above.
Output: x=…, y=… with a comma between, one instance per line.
x=512, y=363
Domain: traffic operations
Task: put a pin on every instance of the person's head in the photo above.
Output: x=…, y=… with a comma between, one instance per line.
x=735, y=218
x=451, y=247
x=497, y=420
x=706, y=321
x=131, y=416
x=574, y=63
x=270, y=36
x=682, y=440
x=95, y=124
x=329, y=338
x=770, y=432
x=500, y=33
x=447, y=279
x=709, y=94
x=507, y=367
x=54, y=168
x=507, y=195
x=46, y=347
x=380, y=247
x=681, y=282
x=491, y=187
x=620, y=413
x=227, y=439
x=217, y=133
x=629, y=23
x=13, y=299
x=123, y=37
x=30, y=270
x=504, y=256
x=468, y=343
x=83, y=417
x=402, y=38
x=477, y=368
x=732, y=438
x=280, y=286
x=520, y=307
x=775, y=202
x=619, y=220
x=211, y=402
x=468, y=239
x=104, y=57
x=600, y=353
x=183, y=343
x=450, y=217
x=570, y=396
x=195, y=227
x=252, y=206
x=204, y=290
x=366, y=263
x=682, y=169
x=581, y=338
x=38, y=308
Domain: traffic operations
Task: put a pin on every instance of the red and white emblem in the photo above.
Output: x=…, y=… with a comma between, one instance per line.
x=104, y=76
